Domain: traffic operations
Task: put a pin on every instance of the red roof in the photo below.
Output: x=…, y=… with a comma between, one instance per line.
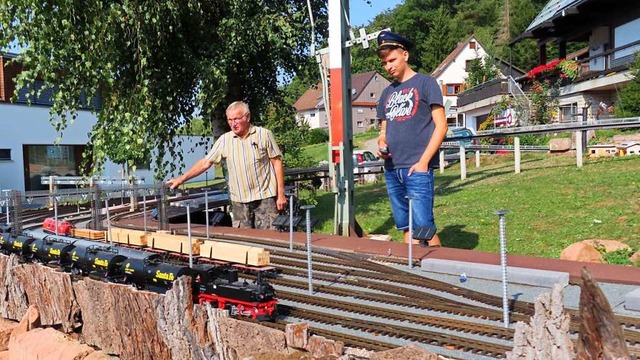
x=312, y=98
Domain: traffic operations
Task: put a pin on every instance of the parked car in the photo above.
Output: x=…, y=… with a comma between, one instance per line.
x=365, y=161
x=458, y=134
x=463, y=134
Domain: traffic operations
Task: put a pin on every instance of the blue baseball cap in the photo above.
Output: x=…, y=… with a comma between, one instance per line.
x=393, y=40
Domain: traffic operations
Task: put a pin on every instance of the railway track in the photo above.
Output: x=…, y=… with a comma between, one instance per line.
x=370, y=296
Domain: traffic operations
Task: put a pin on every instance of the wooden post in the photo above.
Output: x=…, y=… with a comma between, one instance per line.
x=579, y=149
x=516, y=153
x=463, y=162
x=441, y=161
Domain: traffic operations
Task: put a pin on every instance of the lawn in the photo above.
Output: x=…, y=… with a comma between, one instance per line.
x=552, y=204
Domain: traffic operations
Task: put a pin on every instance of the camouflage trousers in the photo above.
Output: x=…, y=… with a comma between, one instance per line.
x=257, y=214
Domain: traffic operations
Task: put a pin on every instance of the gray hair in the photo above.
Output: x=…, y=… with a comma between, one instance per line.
x=237, y=104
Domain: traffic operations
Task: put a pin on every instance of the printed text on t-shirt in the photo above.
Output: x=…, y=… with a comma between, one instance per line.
x=402, y=104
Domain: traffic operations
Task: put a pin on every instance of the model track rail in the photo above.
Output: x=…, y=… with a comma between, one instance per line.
x=371, y=273
x=349, y=340
x=463, y=326
x=429, y=337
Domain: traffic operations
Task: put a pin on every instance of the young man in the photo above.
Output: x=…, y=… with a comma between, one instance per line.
x=413, y=127
x=256, y=173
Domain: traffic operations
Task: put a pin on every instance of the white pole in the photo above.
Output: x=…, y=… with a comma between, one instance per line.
x=291, y=223
x=144, y=210
x=410, y=231
x=463, y=163
x=517, y=154
x=579, y=149
x=206, y=211
x=189, y=235
x=55, y=213
x=106, y=205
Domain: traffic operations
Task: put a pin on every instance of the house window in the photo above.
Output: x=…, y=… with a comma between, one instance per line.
x=453, y=89
x=47, y=160
x=472, y=45
x=360, y=124
x=360, y=111
x=372, y=95
x=5, y=154
x=312, y=114
x=467, y=65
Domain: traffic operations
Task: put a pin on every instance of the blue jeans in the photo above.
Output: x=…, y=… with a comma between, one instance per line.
x=420, y=187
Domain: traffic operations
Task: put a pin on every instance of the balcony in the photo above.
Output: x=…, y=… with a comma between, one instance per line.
x=486, y=90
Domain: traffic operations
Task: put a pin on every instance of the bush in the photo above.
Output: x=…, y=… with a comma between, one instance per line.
x=317, y=136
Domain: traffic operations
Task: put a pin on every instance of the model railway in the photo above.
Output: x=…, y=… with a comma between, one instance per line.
x=380, y=284
x=217, y=284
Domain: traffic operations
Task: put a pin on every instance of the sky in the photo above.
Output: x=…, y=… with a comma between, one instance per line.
x=362, y=13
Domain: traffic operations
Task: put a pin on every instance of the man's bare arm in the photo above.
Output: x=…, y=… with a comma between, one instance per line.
x=198, y=168
x=281, y=200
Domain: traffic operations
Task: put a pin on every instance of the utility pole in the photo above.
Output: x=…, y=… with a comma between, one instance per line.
x=341, y=38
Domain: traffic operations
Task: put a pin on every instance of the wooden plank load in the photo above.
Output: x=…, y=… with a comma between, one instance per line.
x=129, y=237
x=241, y=254
x=174, y=243
x=88, y=234
x=113, y=234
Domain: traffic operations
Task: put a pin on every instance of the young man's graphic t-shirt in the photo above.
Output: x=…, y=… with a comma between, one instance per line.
x=406, y=107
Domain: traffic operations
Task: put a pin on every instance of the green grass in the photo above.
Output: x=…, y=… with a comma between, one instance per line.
x=552, y=204
x=319, y=152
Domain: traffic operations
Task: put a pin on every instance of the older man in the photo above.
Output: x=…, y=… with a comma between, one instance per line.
x=256, y=173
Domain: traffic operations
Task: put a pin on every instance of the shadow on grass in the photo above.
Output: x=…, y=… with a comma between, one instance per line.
x=385, y=227
x=444, y=182
x=454, y=236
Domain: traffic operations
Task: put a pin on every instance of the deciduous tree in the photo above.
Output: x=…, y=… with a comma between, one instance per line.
x=156, y=64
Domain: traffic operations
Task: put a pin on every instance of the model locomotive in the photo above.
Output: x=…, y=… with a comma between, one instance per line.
x=218, y=285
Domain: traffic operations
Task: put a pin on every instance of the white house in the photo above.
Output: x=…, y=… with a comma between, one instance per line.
x=27, y=140
x=452, y=73
x=629, y=148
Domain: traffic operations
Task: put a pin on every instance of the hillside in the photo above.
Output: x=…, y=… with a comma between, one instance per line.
x=552, y=204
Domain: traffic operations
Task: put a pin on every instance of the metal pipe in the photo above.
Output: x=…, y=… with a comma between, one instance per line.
x=106, y=205
x=309, y=268
x=206, y=211
x=189, y=235
x=144, y=210
x=503, y=262
x=291, y=223
x=410, y=197
x=55, y=212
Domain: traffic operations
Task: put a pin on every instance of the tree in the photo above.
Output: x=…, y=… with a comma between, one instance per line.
x=481, y=70
x=156, y=64
x=630, y=95
x=440, y=41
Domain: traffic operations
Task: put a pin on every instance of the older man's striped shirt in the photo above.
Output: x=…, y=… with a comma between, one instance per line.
x=251, y=175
